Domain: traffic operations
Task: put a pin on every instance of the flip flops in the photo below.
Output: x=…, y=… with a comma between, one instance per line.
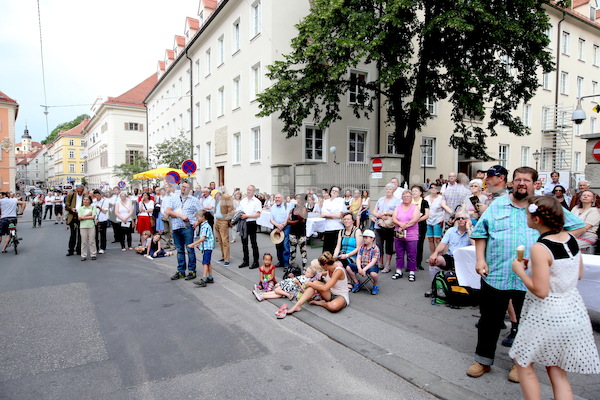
x=281, y=312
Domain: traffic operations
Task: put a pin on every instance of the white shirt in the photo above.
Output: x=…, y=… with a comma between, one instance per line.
x=208, y=202
x=79, y=201
x=333, y=206
x=103, y=204
x=250, y=207
x=49, y=200
x=398, y=192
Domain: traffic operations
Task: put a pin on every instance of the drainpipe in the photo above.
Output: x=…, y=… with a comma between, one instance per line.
x=557, y=80
x=191, y=110
x=147, y=136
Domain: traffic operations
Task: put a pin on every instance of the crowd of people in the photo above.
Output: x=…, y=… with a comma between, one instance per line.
x=491, y=211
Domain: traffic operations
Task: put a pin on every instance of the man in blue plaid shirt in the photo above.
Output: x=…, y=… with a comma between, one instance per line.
x=182, y=210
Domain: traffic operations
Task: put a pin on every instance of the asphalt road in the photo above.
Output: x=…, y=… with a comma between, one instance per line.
x=118, y=328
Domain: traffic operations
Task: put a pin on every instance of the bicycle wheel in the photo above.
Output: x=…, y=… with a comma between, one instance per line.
x=15, y=244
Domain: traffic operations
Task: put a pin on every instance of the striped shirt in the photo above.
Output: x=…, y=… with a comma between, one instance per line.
x=505, y=228
x=209, y=238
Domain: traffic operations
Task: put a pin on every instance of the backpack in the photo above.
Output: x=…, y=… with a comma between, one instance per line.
x=445, y=290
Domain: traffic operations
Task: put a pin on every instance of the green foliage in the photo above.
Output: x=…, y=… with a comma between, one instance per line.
x=126, y=171
x=65, y=126
x=482, y=56
x=173, y=152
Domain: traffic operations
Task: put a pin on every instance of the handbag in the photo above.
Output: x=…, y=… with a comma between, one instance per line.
x=385, y=223
x=236, y=218
x=152, y=222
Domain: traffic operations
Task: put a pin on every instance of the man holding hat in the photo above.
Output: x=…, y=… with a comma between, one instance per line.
x=279, y=217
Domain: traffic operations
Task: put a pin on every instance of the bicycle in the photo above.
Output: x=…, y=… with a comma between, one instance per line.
x=14, y=237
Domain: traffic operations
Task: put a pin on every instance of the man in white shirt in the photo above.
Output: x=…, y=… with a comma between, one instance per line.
x=332, y=211
x=9, y=207
x=49, y=202
x=208, y=203
x=111, y=214
x=251, y=207
x=279, y=217
x=102, y=204
x=549, y=187
x=398, y=191
x=58, y=206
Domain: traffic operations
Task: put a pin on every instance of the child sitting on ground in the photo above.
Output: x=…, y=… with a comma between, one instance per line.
x=154, y=249
x=206, y=244
x=142, y=249
x=267, y=275
x=292, y=287
x=366, y=262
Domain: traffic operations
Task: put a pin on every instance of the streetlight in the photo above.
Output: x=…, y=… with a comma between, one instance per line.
x=424, y=150
x=536, y=157
x=578, y=115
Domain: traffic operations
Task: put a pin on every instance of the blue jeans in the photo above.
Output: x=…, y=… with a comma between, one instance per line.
x=182, y=237
x=283, y=248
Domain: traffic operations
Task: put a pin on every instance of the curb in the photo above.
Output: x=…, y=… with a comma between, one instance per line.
x=416, y=375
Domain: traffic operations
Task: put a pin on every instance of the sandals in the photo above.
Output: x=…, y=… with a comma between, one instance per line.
x=397, y=275
x=411, y=277
x=281, y=312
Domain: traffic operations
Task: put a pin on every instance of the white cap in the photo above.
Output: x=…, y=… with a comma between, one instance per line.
x=368, y=233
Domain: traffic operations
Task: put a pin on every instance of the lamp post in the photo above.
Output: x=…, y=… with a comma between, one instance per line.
x=424, y=149
x=536, y=157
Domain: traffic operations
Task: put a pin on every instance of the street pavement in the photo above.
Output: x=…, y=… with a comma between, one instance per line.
x=118, y=328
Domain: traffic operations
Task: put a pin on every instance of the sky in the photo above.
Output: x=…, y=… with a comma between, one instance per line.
x=91, y=49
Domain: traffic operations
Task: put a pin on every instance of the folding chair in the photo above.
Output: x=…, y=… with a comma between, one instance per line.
x=364, y=282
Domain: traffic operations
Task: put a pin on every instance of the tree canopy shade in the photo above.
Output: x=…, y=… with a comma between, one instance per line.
x=65, y=126
x=482, y=56
x=126, y=171
x=173, y=152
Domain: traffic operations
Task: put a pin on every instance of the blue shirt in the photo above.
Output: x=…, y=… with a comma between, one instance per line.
x=279, y=213
x=209, y=238
x=187, y=206
x=455, y=240
x=505, y=228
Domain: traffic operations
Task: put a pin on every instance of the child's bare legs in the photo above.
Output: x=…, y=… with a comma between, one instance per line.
x=275, y=294
x=308, y=294
x=206, y=270
x=560, y=383
x=375, y=277
x=431, y=244
x=351, y=274
x=530, y=386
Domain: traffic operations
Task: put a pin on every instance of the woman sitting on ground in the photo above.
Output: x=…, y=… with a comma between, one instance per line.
x=334, y=291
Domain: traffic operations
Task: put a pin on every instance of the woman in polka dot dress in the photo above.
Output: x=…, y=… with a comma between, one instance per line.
x=555, y=329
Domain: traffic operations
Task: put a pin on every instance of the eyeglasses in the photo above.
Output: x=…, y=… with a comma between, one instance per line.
x=558, y=190
x=461, y=218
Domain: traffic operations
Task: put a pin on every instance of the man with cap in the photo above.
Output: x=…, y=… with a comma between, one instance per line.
x=279, y=217
x=495, y=182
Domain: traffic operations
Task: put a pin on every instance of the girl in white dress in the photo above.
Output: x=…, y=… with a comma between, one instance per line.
x=555, y=329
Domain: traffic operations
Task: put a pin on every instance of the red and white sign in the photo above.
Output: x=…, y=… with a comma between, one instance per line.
x=596, y=151
x=376, y=165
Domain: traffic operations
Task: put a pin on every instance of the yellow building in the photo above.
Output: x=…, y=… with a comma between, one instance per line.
x=67, y=154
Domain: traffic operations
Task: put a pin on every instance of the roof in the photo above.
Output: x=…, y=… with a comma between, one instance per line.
x=161, y=65
x=578, y=3
x=170, y=54
x=76, y=131
x=136, y=95
x=210, y=4
x=193, y=23
x=180, y=40
x=5, y=99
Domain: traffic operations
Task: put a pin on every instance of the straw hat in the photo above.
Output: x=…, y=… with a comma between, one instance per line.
x=277, y=237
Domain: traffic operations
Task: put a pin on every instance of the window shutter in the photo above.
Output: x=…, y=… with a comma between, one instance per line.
x=141, y=127
x=126, y=126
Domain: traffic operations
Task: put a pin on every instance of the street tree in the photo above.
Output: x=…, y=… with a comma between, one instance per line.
x=126, y=171
x=482, y=56
x=173, y=152
x=65, y=126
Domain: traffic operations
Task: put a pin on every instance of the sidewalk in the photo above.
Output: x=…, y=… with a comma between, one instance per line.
x=429, y=346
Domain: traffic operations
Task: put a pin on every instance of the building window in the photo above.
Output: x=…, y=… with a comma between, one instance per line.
x=134, y=126
x=431, y=106
x=565, y=43
x=428, y=152
x=391, y=143
x=313, y=143
x=237, y=148
x=356, y=89
x=255, y=18
x=594, y=91
x=235, y=95
x=221, y=101
x=82, y=168
x=197, y=75
x=356, y=146
x=527, y=115
x=525, y=155
x=208, y=155
x=577, y=160
x=104, y=127
x=208, y=109
x=72, y=168
x=180, y=86
x=235, y=39
x=579, y=86
x=131, y=156
x=581, y=49
x=207, y=62
x=596, y=55
x=197, y=114
x=220, y=51
x=71, y=142
x=71, y=153
x=578, y=129
x=564, y=82
x=546, y=81
x=503, y=155
x=255, y=144
x=549, y=35
x=592, y=125
x=256, y=80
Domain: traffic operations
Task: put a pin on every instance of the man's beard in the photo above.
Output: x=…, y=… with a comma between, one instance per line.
x=520, y=196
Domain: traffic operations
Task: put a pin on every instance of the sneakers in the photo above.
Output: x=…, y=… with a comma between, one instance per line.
x=200, y=283
x=476, y=370
x=375, y=289
x=355, y=287
x=178, y=275
x=190, y=276
x=149, y=257
x=210, y=280
x=100, y=251
x=221, y=260
x=226, y=264
x=508, y=341
x=258, y=295
x=513, y=375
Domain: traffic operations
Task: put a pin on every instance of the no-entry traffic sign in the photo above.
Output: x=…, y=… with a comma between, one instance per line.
x=596, y=151
x=376, y=165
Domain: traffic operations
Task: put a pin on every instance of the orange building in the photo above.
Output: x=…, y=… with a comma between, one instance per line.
x=9, y=109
